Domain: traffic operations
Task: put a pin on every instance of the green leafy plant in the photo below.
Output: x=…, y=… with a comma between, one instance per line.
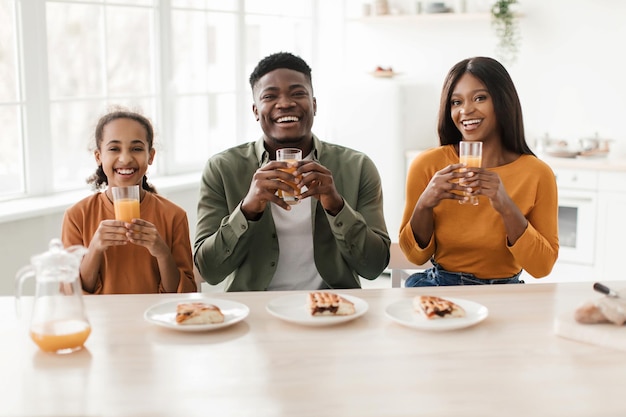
x=506, y=25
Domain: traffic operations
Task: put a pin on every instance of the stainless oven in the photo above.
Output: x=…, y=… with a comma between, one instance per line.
x=577, y=215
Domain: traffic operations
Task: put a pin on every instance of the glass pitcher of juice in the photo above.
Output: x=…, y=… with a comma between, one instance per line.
x=58, y=323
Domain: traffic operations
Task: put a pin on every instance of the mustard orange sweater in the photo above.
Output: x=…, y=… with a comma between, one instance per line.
x=472, y=239
x=131, y=269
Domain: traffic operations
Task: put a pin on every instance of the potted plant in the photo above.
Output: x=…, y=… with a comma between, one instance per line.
x=504, y=21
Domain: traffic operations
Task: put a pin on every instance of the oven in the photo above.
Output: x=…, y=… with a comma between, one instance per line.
x=578, y=201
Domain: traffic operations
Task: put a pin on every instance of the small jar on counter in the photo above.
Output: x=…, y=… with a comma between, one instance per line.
x=381, y=7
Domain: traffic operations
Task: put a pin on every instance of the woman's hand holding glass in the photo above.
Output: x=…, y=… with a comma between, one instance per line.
x=444, y=185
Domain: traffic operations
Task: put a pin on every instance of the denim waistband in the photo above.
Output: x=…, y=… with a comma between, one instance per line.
x=471, y=278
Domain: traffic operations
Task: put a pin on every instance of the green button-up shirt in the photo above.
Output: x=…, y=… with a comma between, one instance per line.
x=351, y=244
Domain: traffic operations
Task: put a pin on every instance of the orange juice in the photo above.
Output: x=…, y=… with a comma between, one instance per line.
x=289, y=198
x=60, y=336
x=126, y=209
x=471, y=160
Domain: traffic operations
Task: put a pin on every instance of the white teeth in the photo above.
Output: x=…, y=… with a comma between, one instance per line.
x=287, y=119
x=125, y=171
x=471, y=122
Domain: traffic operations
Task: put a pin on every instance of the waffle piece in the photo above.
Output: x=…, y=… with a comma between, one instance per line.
x=329, y=304
x=437, y=308
x=198, y=313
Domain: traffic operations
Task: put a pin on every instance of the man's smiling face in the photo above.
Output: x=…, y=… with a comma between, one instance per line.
x=285, y=107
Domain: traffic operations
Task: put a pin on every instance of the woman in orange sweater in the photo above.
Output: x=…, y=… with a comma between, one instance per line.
x=515, y=224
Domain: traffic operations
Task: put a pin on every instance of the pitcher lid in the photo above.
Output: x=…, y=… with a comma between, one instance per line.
x=57, y=255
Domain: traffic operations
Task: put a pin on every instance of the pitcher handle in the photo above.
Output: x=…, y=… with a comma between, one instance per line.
x=21, y=276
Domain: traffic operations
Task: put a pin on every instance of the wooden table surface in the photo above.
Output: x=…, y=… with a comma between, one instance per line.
x=511, y=364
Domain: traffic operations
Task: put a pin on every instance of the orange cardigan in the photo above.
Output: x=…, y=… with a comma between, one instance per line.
x=472, y=239
x=131, y=269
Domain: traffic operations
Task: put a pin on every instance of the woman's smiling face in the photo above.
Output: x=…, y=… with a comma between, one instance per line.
x=124, y=152
x=472, y=111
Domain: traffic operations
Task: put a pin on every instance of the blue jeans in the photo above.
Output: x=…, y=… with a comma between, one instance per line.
x=437, y=276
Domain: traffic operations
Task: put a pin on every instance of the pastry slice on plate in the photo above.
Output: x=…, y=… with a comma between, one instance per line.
x=329, y=304
x=437, y=308
x=198, y=313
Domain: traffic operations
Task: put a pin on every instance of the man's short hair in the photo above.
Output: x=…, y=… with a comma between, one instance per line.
x=280, y=60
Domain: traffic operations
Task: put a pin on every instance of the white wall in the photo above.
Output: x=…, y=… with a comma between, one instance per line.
x=568, y=72
x=568, y=75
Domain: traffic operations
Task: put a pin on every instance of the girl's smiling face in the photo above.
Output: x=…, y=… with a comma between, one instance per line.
x=124, y=152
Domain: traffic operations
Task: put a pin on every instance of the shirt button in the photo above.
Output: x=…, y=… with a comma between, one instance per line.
x=244, y=227
x=339, y=224
x=272, y=264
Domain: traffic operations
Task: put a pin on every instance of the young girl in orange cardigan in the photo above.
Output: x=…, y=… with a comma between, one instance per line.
x=151, y=254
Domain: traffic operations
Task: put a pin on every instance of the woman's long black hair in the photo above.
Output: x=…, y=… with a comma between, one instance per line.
x=506, y=103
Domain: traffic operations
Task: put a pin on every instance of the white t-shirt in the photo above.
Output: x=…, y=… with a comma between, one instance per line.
x=296, y=267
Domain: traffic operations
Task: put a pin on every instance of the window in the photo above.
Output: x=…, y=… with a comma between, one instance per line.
x=182, y=63
x=99, y=53
x=204, y=103
x=11, y=105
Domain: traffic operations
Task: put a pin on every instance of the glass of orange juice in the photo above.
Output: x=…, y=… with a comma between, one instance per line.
x=289, y=155
x=470, y=154
x=126, y=203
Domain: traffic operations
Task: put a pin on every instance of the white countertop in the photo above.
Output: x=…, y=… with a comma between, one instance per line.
x=607, y=163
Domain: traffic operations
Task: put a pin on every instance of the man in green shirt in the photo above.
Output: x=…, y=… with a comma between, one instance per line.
x=251, y=237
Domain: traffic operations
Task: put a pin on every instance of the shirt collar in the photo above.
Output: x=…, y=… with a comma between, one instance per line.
x=263, y=156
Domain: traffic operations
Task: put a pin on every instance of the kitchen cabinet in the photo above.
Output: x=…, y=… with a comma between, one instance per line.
x=578, y=195
x=596, y=189
x=577, y=219
x=612, y=225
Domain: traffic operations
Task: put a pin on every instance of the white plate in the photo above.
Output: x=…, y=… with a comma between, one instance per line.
x=402, y=312
x=294, y=308
x=164, y=314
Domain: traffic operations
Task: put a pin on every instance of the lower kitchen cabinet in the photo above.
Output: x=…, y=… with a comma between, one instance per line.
x=592, y=222
x=611, y=248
